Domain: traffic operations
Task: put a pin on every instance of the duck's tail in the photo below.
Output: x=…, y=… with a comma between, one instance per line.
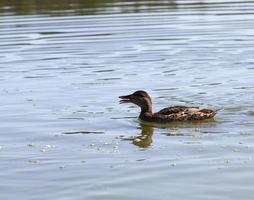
x=217, y=110
x=210, y=113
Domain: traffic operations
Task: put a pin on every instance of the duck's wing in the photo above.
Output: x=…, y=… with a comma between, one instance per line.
x=200, y=114
x=183, y=113
x=175, y=109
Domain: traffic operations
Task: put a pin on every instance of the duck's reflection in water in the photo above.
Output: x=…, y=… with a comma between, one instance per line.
x=197, y=128
x=144, y=140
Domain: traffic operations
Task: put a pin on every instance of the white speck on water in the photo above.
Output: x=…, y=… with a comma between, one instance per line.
x=236, y=150
x=47, y=147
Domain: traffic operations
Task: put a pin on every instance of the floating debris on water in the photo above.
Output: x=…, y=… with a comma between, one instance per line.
x=31, y=145
x=109, y=109
x=34, y=161
x=227, y=162
x=246, y=133
x=250, y=113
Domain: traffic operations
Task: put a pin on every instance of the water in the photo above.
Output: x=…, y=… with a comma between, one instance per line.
x=63, y=66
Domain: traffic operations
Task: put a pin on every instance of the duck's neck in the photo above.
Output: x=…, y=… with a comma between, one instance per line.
x=147, y=109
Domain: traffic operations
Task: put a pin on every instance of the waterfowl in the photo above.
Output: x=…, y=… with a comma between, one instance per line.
x=169, y=114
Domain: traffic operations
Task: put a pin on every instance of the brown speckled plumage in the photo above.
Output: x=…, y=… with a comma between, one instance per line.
x=174, y=113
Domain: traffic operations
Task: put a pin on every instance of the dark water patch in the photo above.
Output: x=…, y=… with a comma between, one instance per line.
x=108, y=79
x=214, y=84
x=165, y=89
x=250, y=113
x=243, y=88
x=51, y=33
x=123, y=117
x=72, y=118
x=105, y=70
x=38, y=76
x=169, y=71
x=83, y=132
x=52, y=58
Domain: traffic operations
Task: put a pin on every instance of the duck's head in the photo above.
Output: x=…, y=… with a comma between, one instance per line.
x=140, y=98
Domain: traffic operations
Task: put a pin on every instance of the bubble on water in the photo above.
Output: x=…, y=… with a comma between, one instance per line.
x=173, y=164
x=47, y=147
x=236, y=150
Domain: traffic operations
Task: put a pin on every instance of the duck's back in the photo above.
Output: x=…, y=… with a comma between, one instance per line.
x=175, y=109
x=183, y=113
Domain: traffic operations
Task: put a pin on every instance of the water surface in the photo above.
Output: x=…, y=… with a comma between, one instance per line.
x=63, y=65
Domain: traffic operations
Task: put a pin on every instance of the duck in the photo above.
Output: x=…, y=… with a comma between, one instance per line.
x=170, y=114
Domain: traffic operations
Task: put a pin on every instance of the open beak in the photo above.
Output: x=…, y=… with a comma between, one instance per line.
x=125, y=99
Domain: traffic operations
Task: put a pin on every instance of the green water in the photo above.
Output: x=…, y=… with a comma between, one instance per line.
x=64, y=135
